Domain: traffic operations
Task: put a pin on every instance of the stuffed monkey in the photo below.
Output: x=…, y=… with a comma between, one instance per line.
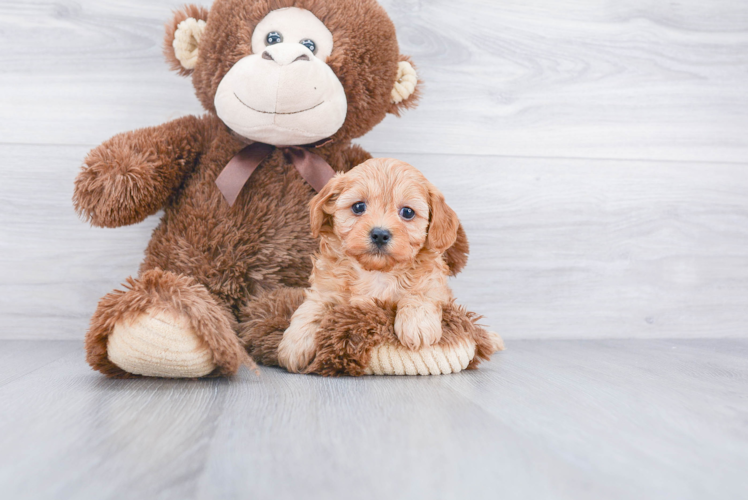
x=286, y=85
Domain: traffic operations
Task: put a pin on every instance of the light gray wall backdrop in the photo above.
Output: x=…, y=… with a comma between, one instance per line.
x=596, y=152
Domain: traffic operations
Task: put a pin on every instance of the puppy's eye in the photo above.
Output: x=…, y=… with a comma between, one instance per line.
x=309, y=44
x=273, y=38
x=407, y=213
x=359, y=208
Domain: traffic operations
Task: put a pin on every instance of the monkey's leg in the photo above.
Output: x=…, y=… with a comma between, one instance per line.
x=360, y=339
x=163, y=325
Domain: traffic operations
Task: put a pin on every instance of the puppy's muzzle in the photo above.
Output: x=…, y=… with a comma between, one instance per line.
x=380, y=237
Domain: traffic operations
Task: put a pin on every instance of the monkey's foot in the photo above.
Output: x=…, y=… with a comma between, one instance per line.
x=159, y=345
x=163, y=325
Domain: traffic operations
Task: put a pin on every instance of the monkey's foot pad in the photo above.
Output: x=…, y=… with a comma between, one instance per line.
x=394, y=359
x=159, y=345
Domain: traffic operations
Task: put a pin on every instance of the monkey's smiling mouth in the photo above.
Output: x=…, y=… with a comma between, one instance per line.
x=276, y=112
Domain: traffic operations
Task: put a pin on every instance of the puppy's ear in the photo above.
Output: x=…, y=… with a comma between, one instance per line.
x=444, y=223
x=457, y=255
x=322, y=206
x=182, y=41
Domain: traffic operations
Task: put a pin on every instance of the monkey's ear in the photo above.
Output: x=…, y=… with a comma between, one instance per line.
x=322, y=206
x=182, y=41
x=407, y=87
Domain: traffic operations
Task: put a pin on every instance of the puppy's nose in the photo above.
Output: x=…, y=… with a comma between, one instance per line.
x=380, y=236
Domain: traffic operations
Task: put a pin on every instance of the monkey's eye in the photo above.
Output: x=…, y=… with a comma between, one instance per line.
x=407, y=213
x=273, y=38
x=358, y=208
x=309, y=44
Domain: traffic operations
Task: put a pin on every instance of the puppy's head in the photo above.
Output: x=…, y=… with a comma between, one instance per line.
x=384, y=212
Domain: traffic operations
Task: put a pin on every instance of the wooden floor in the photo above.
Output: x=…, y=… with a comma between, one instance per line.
x=585, y=419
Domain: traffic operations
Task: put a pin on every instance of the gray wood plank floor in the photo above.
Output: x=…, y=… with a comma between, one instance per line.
x=593, y=419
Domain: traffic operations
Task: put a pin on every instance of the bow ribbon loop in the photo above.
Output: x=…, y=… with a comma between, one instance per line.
x=312, y=168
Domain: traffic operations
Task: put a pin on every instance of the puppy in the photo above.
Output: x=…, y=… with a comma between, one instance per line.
x=384, y=229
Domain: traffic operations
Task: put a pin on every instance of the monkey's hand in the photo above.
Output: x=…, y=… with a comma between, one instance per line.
x=132, y=175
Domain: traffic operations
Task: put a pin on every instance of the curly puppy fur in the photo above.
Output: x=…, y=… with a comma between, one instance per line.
x=263, y=242
x=356, y=265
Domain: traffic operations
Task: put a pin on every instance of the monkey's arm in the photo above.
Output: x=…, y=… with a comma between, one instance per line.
x=132, y=175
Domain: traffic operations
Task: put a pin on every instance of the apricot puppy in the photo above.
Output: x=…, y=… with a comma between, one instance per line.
x=384, y=229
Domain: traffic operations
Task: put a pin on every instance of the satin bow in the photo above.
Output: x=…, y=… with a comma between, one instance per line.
x=312, y=167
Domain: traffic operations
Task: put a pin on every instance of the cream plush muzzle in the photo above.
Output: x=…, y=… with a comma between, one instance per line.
x=286, y=101
x=284, y=94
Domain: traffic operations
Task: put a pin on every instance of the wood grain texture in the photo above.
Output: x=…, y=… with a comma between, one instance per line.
x=560, y=248
x=632, y=80
x=630, y=419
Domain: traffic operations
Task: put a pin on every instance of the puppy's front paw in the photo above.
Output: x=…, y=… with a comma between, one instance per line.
x=296, y=349
x=418, y=325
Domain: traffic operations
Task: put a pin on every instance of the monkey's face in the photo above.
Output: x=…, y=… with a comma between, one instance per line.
x=293, y=72
x=284, y=93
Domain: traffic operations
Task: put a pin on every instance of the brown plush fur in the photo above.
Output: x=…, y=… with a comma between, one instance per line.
x=364, y=57
x=263, y=321
x=133, y=175
x=263, y=242
x=348, y=333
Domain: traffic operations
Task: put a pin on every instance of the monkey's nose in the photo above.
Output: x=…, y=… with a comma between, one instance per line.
x=380, y=236
x=284, y=54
